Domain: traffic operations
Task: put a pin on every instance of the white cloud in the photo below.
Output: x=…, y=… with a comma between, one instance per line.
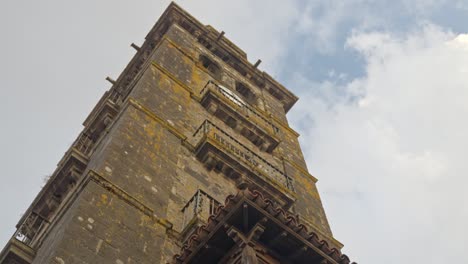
x=422, y=6
x=390, y=150
x=461, y=4
x=321, y=28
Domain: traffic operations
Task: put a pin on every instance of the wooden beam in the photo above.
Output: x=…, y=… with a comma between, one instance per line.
x=135, y=46
x=277, y=239
x=217, y=250
x=109, y=79
x=220, y=35
x=257, y=63
x=298, y=252
x=245, y=214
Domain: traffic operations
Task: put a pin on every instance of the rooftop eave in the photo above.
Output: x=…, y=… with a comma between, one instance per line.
x=246, y=209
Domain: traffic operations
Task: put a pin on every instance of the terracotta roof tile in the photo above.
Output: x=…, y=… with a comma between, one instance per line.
x=277, y=212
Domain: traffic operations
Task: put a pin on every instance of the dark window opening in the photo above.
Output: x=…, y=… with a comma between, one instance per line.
x=203, y=41
x=210, y=65
x=231, y=122
x=239, y=68
x=276, y=94
x=185, y=25
x=259, y=82
x=222, y=55
x=254, y=138
x=230, y=59
x=245, y=92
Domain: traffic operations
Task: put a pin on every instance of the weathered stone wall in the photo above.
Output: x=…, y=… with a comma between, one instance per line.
x=147, y=155
x=101, y=227
x=178, y=55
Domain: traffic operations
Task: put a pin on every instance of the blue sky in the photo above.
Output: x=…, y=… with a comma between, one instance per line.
x=323, y=27
x=383, y=87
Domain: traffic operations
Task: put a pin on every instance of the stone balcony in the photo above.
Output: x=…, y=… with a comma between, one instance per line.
x=31, y=230
x=96, y=123
x=221, y=152
x=236, y=113
x=196, y=211
x=17, y=252
x=21, y=247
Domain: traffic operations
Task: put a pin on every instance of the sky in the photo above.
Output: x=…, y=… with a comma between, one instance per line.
x=383, y=88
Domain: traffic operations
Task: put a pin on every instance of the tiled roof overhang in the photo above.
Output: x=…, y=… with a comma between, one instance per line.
x=284, y=236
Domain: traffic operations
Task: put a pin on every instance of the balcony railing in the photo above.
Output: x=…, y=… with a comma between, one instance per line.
x=256, y=163
x=96, y=123
x=31, y=229
x=241, y=105
x=201, y=205
x=84, y=144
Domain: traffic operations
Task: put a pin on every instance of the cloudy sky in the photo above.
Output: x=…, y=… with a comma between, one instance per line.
x=383, y=107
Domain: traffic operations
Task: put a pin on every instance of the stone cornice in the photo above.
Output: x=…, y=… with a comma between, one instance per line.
x=176, y=15
x=274, y=119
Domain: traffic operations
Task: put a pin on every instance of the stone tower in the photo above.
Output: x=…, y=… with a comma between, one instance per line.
x=188, y=158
